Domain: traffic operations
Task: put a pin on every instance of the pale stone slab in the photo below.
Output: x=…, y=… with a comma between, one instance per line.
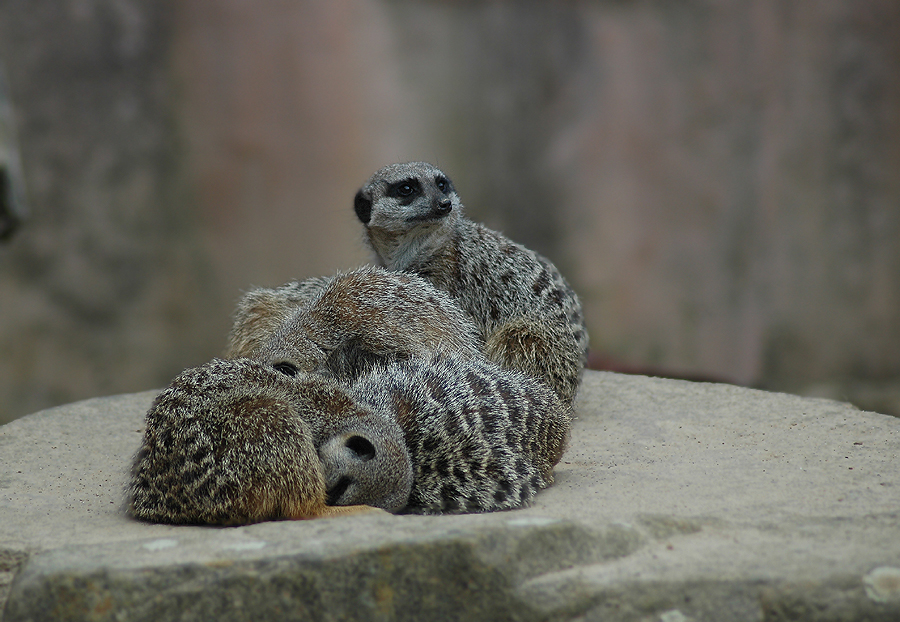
x=675, y=501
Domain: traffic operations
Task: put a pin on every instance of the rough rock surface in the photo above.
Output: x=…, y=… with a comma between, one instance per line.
x=675, y=502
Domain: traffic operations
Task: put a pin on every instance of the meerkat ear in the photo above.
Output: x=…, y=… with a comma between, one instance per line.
x=363, y=206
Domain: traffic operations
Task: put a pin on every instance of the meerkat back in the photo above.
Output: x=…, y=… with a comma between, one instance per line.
x=529, y=317
x=370, y=315
x=480, y=438
x=262, y=310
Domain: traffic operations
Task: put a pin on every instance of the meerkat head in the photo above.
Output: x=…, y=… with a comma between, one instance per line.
x=365, y=462
x=363, y=456
x=401, y=197
x=402, y=205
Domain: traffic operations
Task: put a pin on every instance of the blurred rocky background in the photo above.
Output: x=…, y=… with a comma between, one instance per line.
x=720, y=180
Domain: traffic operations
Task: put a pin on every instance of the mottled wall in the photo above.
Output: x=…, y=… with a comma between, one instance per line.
x=101, y=290
x=719, y=180
x=738, y=163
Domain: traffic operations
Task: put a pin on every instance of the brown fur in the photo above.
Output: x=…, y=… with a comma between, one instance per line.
x=358, y=318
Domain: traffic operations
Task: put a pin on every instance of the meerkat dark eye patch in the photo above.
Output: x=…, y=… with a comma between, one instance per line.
x=406, y=189
x=443, y=184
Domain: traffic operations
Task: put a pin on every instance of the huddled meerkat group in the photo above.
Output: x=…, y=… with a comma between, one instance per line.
x=440, y=380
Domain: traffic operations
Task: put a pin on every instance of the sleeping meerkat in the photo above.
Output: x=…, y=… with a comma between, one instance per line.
x=236, y=442
x=345, y=323
x=480, y=438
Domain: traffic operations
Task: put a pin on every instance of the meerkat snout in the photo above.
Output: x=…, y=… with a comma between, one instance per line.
x=355, y=449
x=443, y=208
x=369, y=467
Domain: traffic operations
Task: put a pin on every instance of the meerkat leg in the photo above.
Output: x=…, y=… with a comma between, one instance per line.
x=539, y=349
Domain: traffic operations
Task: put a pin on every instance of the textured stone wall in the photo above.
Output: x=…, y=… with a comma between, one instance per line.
x=101, y=289
x=738, y=165
x=719, y=180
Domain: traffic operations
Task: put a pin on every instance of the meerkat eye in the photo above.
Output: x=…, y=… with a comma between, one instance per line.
x=286, y=368
x=404, y=189
x=443, y=184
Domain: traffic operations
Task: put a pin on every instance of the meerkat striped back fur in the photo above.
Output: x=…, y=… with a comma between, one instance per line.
x=529, y=317
x=480, y=438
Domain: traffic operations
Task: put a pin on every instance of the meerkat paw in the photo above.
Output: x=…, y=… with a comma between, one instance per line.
x=331, y=511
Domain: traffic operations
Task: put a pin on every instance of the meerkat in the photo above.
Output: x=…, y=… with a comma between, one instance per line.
x=444, y=386
x=480, y=438
x=529, y=317
x=352, y=321
x=236, y=442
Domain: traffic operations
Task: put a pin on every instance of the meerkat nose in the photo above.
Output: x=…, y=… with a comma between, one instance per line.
x=361, y=447
x=443, y=208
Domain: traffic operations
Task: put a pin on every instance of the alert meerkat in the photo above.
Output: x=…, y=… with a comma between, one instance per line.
x=529, y=317
x=346, y=323
x=236, y=442
x=480, y=438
